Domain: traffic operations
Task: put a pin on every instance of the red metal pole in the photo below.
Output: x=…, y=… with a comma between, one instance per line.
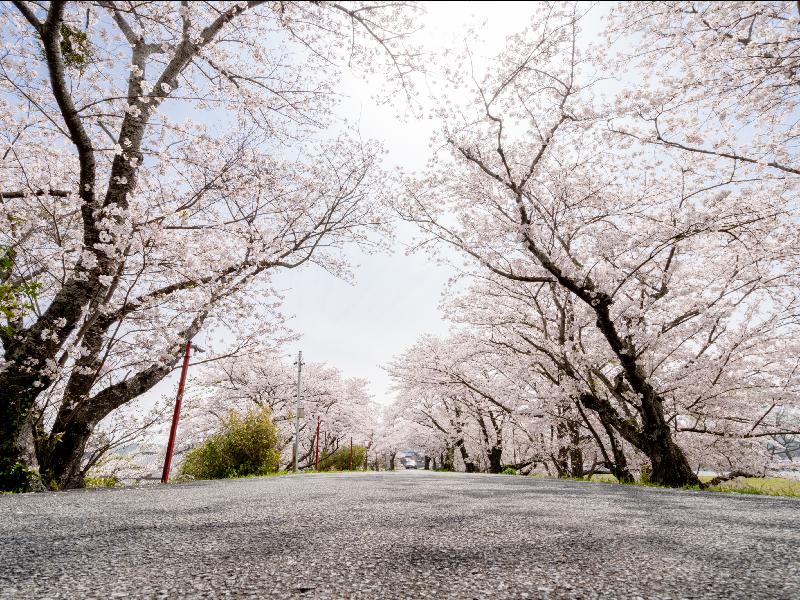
x=174, y=429
x=316, y=456
x=351, y=454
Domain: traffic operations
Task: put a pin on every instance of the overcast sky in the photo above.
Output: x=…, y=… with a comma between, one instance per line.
x=395, y=297
x=359, y=326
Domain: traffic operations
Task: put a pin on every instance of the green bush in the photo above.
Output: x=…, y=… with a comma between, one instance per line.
x=17, y=478
x=101, y=482
x=509, y=471
x=245, y=445
x=340, y=459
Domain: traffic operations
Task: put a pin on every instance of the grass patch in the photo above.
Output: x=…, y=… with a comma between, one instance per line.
x=100, y=482
x=761, y=486
x=182, y=478
x=764, y=486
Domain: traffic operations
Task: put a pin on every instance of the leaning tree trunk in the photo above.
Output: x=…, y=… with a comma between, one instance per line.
x=61, y=456
x=668, y=462
x=619, y=465
x=653, y=437
x=495, y=459
x=561, y=458
x=61, y=460
x=495, y=453
x=469, y=465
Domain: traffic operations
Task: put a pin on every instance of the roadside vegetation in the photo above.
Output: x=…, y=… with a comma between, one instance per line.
x=761, y=486
x=245, y=445
x=248, y=445
x=340, y=459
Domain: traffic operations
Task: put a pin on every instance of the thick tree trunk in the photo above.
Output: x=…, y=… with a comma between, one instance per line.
x=653, y=438
x=669, y=464
x=496, y=459
x=561, y=461
x=26, y=372
x=23, y=475
x=469, y=465
x=619, y=466
x=427, y=463
x=575, y=451
x=495, y=453
x=61, y=455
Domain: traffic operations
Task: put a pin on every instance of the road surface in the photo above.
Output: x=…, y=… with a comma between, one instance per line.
x=398, y=535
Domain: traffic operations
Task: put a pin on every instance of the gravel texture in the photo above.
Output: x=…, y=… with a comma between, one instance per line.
x=398, y=535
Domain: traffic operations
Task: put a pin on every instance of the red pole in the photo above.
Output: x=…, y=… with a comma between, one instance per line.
x=176, y=414
x=316, y=456
x=351, y=454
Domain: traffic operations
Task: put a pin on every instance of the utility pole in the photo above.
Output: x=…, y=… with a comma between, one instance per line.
x=176, y=415
x=299, y=364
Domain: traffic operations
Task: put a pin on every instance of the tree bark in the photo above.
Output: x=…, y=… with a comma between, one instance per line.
x=653, y=438
x=575, y=451
x=496, y=459
x=469, y=465
x=448, y=459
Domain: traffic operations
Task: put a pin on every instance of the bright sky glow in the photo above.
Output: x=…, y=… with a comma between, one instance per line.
x=395, y=297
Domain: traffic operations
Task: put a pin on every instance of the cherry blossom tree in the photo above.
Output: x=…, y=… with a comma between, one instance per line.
x=468, y=401
x=161, y=160
x=673, y=265
x=718, y=79
x=533, y=331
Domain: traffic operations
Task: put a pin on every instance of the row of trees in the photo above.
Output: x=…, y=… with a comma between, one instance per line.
x=629, y=291
x=160, y=162
x=342, y=405
x=237, y=398
x=623, y=211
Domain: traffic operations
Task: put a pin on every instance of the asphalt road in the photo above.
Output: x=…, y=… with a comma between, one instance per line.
x=398, y=535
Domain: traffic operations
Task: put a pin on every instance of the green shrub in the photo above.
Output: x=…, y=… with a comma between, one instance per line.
x=245, y=445
x=509, y=471
x=17, y=478
x=99, y=482
x=340, y=459
x=644, y=474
